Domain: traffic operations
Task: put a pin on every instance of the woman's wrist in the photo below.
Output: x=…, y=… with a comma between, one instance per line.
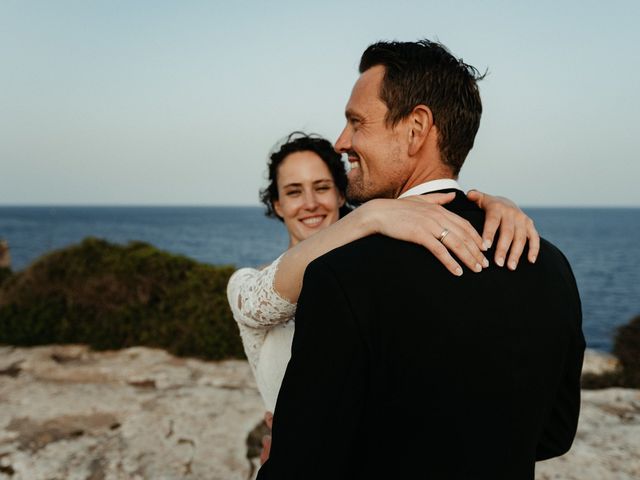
x=369, y=218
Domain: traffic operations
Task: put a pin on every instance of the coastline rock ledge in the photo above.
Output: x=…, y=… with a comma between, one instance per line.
x=72, y=413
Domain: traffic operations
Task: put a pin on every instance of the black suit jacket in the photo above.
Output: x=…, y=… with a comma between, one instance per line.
x=400, y=370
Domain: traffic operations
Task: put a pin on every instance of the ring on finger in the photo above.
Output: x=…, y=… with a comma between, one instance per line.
x=444, y=233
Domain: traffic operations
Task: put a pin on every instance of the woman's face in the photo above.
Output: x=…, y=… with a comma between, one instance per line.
x=308, y=198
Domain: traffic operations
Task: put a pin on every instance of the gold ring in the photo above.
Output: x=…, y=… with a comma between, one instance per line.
x=444, y=233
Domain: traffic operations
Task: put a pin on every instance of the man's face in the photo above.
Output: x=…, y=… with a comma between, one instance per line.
x=376, y=152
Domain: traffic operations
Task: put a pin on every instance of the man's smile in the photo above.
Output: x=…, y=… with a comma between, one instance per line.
x=353, y=159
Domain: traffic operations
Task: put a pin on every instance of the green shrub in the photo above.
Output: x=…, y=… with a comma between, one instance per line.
x=598, y=381
x=5, y=273
x=113, y=296
x=626, y=347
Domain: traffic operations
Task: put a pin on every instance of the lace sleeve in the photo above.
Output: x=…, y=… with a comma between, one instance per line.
x=254, y=300
x=257, y=307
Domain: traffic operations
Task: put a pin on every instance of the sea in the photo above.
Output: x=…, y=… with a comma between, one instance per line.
x=602, y=245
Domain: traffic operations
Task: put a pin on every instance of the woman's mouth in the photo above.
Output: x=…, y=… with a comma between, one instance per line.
x=313, y=221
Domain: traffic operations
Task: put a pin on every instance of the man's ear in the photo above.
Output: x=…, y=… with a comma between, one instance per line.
x=420, y=126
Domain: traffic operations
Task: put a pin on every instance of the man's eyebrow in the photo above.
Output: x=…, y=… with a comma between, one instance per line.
x=351, y=114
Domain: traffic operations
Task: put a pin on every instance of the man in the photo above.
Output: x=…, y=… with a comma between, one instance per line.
x=400, y=370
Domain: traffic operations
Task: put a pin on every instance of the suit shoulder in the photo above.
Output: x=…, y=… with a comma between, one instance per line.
x=551, y=253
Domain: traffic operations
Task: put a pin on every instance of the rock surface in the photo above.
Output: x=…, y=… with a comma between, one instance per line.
x=71, y=413
x=599, y=362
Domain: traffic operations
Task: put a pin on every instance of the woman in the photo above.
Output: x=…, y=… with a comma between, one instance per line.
x=307, y=185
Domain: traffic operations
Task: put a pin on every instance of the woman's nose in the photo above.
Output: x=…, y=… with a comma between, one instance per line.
x=310, y=201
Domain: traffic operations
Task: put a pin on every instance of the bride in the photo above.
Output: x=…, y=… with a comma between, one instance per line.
x=306, y=191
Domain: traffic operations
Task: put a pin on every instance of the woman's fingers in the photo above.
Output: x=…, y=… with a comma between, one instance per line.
x=448, y=217
x=434, y=198
x=266, y=449
x=268, y=419
x=507, y=232
x=475, y=196
x=471, y=233
x=491, y=224
x=534, y=241
x=516, y=229
x=517, y=247
x=454, y=243
x=442, y=254
x=462, y=240
x=417, y=220
x=493, y=215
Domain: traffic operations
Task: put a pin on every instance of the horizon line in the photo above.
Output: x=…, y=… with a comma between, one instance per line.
x=253, y=205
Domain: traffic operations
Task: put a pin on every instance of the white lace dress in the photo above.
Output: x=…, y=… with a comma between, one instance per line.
x=266, y=326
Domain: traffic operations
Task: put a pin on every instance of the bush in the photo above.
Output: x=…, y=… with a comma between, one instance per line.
x=627, y=348
x=598, y=381
x=5, y=273
x=112, y=296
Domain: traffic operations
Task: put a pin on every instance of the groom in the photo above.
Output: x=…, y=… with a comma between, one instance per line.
x=400, y=370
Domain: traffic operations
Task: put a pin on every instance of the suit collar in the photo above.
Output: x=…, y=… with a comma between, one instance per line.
x=432, y=186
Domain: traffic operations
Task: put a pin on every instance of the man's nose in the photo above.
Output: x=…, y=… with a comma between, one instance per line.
x=343, y=143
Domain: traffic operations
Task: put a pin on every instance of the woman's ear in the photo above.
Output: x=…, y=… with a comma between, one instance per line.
x=277, y=208
x=420, y=123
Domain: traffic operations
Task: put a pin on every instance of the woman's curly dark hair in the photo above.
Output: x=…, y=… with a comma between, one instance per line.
x=302, y=142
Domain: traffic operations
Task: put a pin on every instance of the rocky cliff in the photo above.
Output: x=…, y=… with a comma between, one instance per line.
x=139, y=413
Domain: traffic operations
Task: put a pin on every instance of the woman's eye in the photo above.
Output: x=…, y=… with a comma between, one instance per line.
x=324, y=188
x=293, y=193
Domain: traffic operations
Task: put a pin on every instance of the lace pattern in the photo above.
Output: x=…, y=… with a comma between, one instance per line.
x=257, y=307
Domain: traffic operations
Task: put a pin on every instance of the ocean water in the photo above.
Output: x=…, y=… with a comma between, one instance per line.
x=603, y=245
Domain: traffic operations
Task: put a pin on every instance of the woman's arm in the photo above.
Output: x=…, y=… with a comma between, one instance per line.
x=420, y=219
x=407, y=219
x=254, y=302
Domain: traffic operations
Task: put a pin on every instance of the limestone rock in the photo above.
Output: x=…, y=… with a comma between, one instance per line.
x=607, y=445
x=70, y=413
x=597, y=362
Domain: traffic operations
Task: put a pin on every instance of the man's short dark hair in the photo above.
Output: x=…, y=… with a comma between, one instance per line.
x=426, y=73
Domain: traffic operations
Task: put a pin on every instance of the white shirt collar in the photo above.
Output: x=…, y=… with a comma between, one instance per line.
x=431, y=186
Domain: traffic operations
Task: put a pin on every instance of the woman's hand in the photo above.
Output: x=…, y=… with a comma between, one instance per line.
x=421, y=219
x=266, y=440
x=516, y=228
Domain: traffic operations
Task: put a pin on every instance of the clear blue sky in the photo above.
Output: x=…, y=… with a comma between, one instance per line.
x=157, y=102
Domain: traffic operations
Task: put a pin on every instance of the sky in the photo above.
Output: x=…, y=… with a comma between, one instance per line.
x=179, y=103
